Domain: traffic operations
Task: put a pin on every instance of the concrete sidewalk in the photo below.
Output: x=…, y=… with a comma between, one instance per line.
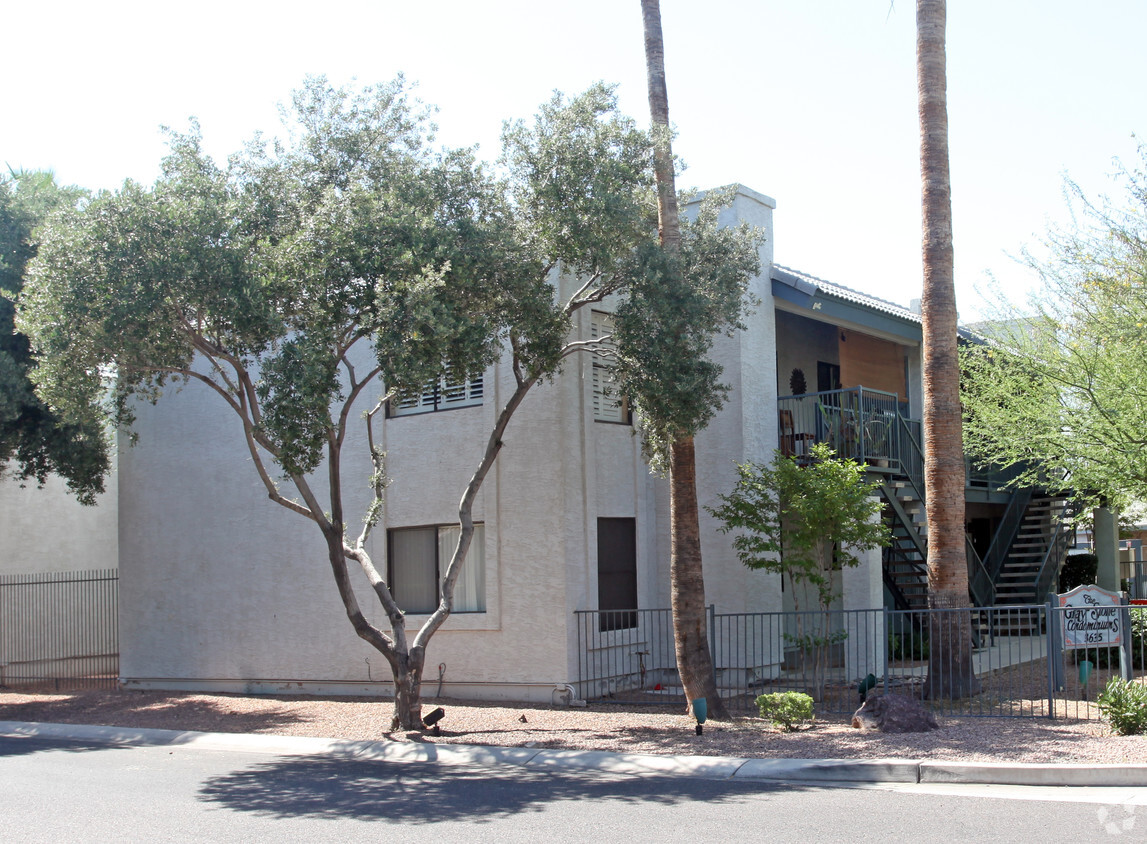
x=708, y=767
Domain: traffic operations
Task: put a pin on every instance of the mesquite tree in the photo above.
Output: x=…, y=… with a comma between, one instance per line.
x=316, y=277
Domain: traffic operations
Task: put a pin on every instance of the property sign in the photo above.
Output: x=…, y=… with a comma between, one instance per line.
x=1092, y=618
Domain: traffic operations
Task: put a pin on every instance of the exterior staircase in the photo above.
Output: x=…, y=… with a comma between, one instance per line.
x=1029, y=541
x=1019, y=569
x=906, y=559
x=1028, y=570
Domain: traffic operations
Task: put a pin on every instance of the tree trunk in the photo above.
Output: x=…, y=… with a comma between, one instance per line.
x=407, y=670
x=950, y=672
x=406, y=663
x=687, y=584
x=691, y=641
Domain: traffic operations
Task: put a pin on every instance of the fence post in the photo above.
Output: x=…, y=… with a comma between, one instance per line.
x=1054, y=653
x=1125, y=655
x=887, y=656
x=712, y=613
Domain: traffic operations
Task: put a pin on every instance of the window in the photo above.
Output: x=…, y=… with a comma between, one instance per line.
x=416, y=563
x=442, y=394
x=617, y=573
x=607, y=405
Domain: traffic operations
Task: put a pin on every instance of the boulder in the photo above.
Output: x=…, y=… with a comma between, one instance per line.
x=894, y=714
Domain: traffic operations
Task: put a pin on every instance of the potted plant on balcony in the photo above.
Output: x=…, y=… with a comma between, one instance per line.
x=876, y=442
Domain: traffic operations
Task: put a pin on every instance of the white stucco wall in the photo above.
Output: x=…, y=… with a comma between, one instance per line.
x=745, y=429
x=47, y=530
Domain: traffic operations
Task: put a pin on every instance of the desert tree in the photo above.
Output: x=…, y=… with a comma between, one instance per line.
x=804, y=520
x=325, y=273
x=34, y=441
x=1058, y=392
x=312, y=279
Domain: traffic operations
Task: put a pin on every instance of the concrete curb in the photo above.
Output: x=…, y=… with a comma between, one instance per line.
x=705, y=767
x=831, y=770
x=1002, y=773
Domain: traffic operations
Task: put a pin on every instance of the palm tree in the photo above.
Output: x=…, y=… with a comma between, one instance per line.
x=687, y=585
x=950, y=671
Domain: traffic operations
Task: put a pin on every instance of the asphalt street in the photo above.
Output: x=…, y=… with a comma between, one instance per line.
x=76, y=790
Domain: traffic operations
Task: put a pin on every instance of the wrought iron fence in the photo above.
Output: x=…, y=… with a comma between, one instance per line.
x=838, y=657
x=59, y=630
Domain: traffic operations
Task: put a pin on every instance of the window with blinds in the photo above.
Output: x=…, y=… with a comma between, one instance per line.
x=444, y=394
x=608, y=406
x=416, y=563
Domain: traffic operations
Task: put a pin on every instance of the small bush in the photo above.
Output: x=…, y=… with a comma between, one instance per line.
x=787, y=710
x=912, y=646
x=1124, y=705
x=1078, y=570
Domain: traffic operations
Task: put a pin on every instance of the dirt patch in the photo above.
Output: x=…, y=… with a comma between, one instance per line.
x=652, y=729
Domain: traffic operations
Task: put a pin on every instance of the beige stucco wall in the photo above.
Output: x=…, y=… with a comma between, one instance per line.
x=47, y=530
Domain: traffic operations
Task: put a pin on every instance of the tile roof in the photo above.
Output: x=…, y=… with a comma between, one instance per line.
x=806, y=282
x=810, y=285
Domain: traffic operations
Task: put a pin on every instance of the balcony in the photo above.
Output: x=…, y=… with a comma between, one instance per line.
x=870, y=426
x=866, y=425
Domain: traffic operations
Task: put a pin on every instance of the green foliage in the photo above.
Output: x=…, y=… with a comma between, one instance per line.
x=1078, y=570
x=666, y=328
x=351, y=260
x=666, y=325
x=272, y=269
x=1060, y=391
x=34, y=441
x=1124, y=705
x=787, y=710
x=581, y=181
x=799, y=520
x=909, y=646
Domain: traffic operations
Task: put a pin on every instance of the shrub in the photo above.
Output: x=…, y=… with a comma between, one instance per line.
x=787, y=710
x=910, y=646
x=1078, y=570
x=1124, y=705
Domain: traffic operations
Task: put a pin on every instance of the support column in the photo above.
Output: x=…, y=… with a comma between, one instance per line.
x=1106, y=527
x=866, y=648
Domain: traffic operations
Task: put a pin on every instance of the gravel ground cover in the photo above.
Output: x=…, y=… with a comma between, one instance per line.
x=655, y=730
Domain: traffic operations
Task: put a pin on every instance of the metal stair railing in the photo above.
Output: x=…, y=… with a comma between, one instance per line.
x=1006, y=533
x=980, y=583
x=910, y=454
x=1056, y=549
x=901, y=518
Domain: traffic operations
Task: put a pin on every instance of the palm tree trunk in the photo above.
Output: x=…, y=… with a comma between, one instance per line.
x=691, y=641
x=950, y=671
x=687, y=584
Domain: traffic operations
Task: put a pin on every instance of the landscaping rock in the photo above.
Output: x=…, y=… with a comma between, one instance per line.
x=894, y=714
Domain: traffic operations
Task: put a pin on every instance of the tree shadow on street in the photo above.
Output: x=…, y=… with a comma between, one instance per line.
x=424, y=793
x=27, y=745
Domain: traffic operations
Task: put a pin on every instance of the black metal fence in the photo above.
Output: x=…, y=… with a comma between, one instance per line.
x=59, y=630
x=1016, y=670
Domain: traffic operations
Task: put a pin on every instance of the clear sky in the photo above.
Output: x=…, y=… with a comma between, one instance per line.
x=812, y=102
